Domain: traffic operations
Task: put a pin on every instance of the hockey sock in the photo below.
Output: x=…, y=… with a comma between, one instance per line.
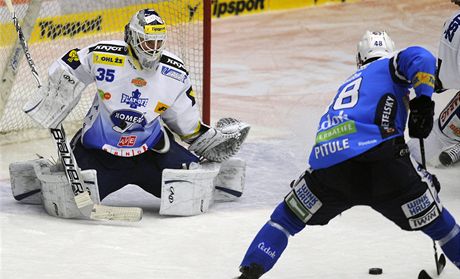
x=272, y=239
x=447, y=233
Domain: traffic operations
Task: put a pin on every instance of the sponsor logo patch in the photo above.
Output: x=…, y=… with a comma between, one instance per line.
x=340, y=130
x=127, y=141
x=430, y=216
x=302, y=201
x=155, y=29
x=134, y=101
x=267, y=250
x=127, y=121
x=72, y=59
x=104, y=95
x=166, y=71
x=418, y=205
x=385, y=115
x=115, y=49
x=109, y=59
x=139, y=82
x=123, y=152
x=160, y=108
x=450, y=110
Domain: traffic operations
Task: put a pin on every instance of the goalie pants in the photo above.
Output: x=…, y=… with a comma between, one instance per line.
x=144, y=170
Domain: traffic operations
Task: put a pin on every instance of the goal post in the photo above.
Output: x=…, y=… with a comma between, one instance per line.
x=53, y=27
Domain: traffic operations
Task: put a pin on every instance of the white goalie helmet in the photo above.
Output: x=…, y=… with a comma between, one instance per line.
x=372, y=46
x=146, y=34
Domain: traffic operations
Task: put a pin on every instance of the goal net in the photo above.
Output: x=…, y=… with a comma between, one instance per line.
x=53, y=27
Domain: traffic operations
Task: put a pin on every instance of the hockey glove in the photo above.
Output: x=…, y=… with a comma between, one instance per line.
x=421, y=117
x=220, y=143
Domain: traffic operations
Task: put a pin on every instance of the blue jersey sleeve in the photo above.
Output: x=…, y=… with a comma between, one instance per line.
x=417, y=66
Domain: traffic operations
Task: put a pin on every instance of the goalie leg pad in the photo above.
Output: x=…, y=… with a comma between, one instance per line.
x=187, y=192
x=25, y=185
x=57, y=194
x=230, y=180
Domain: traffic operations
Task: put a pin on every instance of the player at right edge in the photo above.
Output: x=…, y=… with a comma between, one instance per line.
x=445, y=136
x=361, y=158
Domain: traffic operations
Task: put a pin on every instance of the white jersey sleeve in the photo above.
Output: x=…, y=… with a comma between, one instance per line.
x=77, y=62
x=183, y=116
x=449, y=53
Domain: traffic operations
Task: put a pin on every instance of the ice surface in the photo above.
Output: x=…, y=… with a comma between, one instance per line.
x=277, y=71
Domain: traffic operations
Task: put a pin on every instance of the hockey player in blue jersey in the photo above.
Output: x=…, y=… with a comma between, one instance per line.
x=360, y=158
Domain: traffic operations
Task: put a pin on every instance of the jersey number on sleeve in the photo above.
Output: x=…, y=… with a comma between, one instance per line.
x=105, y=74
x=348, y=97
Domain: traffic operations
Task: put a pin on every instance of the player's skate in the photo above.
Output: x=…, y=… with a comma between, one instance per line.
x=450, y=155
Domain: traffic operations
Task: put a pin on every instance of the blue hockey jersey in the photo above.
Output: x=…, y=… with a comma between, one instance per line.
x=370, y=107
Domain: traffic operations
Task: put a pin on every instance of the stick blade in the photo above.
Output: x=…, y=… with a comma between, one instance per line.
x=111, y=213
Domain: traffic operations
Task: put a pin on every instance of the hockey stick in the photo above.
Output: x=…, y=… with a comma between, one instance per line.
x=81, y=196
x=441, y=260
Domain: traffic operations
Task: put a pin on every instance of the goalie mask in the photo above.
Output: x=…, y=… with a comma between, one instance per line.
x=146, y=34
x=372, y=46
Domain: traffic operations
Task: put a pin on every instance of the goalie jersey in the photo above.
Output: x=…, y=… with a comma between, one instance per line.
x=370, y=106
x=124, y=118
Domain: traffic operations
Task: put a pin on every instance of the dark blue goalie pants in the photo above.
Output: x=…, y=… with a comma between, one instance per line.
x=144, y=170
x=384, y=178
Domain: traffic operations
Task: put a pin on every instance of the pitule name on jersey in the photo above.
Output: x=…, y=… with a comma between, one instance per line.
x=173, y=63
x=430, y=216
x=330, y=148
x=449, y=111
x=125, y=152
x=385, y=115
x=115, y=49
x=166, y=71
x=109, y=59
x=418, y=205
x=302, y=201
x=452, y=29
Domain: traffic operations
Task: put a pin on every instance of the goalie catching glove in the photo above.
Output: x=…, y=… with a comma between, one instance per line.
x=52, y=103
x=222, y=142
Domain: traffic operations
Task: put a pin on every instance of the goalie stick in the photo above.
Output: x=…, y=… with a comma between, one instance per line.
x=81, y=196
x=441, y=260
